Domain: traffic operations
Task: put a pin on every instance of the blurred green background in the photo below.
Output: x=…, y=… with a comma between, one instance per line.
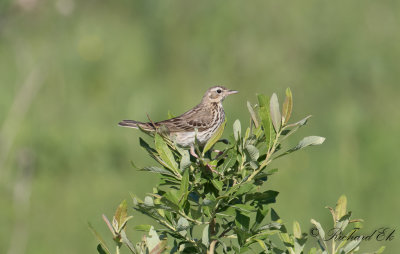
x=70, y=70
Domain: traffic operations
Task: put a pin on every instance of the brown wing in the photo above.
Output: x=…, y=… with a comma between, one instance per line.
x=199, y=117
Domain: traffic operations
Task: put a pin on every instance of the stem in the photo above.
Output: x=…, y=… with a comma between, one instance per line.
x=192, y=220
x=267, y=158
x=212, y=247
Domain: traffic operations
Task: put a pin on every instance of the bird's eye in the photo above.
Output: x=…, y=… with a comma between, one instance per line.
x=219, y=91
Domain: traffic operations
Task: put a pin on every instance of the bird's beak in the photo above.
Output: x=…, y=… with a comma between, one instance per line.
x=231, y=92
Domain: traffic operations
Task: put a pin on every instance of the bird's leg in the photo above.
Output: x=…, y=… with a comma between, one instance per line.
x=192, y=152
x=210, y=167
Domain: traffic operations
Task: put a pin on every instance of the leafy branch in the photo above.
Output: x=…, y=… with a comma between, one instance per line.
x=215, y=203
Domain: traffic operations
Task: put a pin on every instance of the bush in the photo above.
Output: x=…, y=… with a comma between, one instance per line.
x=215, y=202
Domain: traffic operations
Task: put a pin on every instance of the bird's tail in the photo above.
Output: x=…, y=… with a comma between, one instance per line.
x=135, y=124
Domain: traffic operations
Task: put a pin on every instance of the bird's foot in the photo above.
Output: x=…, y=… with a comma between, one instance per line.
x=193, y=153
x=212, y=168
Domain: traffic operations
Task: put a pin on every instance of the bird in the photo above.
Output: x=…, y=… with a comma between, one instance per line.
x=206, y=117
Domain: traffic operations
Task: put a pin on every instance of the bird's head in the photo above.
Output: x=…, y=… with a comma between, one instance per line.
x=217, y=94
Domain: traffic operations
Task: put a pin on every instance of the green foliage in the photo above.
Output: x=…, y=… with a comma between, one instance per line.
x=215, y=202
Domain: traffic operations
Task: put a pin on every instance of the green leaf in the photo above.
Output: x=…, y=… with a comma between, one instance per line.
x=263, y=101
x=217, y=184
x=127, y=242
x=158, y=170
x=310, y=141
x=143, y=227
x=276, y=117
x=149, y=149
x=170, y=115
x=381, y=249
x=341, y=207
x=230, y=160
x=237, y=129
x=214, y=138
x=287, y=106
x=242, y=221
x=261, y=213
x=244, y=208
x=184, y=190
x=266, y=197
x=252, y=114
x=321, y=233
x=152, y=240
x=148, y=201
x=159, y=248
x=343, y=221
x=241, y=189
x=101, y=250
x=171, y=199
x=253, y=152
x=183, y=225
x=296, y=229
x=319, y=228
x=121, y=214
x=205, y=239
x=351, y=246
x=166, y=154
x=313, y=251
x=307, y=141
x=263, y=113
x=262, y=244
x=185, y=160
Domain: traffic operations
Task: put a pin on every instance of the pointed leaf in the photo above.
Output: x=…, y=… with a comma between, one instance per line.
x=381, y=249
x=296, y=230
x=170, y=115
x=152, y=240
x=252, y=114
x=214, y=138
x=242, y=221
x=143, y=227
x=261, y=213
x=341, y=207
x=184, y=189
x=253, y=152
x=287, y=106
x=127, y=242
x=266, y=124
x=262, y=101
x=276, y=117
x=101, y=250
x=183, y=225
x=217, y=184
x=159, y=248
x=263, y=113
x=185, y=160
x=121, y=213
x=319, y=227
x=351, y=245
x=237, y=129
x=307, y=141
x=205, y=239
x=158, y=170
x=165, y=153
